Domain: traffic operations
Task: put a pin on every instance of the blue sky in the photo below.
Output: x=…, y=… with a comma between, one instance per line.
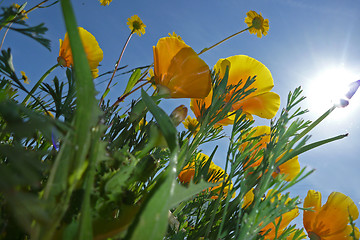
x=306, y=41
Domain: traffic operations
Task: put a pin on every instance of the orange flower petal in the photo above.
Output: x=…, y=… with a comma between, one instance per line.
x=312, y=200
x=334, y=214
x=285, y=221
x=178, y=68
x=344, y=235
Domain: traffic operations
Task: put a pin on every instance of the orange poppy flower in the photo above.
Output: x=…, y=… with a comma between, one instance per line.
x=261, y=102
x=178, y=70
x=330, y=221
x=93, y=52
x=216, y=174
x=290, y=168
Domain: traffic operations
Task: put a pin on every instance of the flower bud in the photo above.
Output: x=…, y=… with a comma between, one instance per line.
x=179, y=114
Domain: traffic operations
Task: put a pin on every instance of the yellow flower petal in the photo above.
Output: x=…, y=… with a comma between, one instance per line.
x=216, y=175
x=258, y=24
x=136, y=25
x=260, y=102
x=290, y=169
x=286, y=218
x=313, y=201
x=93, y=51
x=178, y=68
x=105, y=2
x=265, y=105
x=248, y=198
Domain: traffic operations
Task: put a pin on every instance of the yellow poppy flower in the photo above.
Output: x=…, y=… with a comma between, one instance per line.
x=216, y=175
x=93, y=51
x=105, y=2
x=258, y=24
x=192, y=125
x=24, y=77
x=290, y=168
x=179, y=71
x=330, y=221
x=136, y=25
x=261, y=102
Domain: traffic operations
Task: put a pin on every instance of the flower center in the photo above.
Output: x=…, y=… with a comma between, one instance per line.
x=314, y=236
x=136, y=25
x=256, y=23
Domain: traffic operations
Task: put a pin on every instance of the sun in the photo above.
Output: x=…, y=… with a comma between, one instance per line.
x=327, y=88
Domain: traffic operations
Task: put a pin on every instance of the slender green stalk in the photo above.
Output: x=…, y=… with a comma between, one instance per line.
x=225, y=39
x=314, y=124
x=116, y=67
x=38, y=83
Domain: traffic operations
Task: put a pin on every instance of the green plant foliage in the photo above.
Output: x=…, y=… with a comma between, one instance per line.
x=114, y=171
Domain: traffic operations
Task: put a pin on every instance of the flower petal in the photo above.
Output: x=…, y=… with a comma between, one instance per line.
x=242, y=67
x=312, y=200
x=344, y=235
x=179, y=68
x=334, y=214
x=290, y=169
x=265, y=105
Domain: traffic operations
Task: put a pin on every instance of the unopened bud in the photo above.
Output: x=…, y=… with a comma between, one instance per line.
x=178, y=115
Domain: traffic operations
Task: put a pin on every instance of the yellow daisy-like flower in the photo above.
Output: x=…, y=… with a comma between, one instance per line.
x=24, y=77
x=330, y=221
x=179, y=71
x=192, y=125
x=261, y=102
x=290, y=168
x=216, y=174
x=105, y=2
x=258, y=25
x=136, y=25
x=93, y=51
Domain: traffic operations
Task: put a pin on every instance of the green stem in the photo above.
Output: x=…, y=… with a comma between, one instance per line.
x=116, y=67
x=38, y=83
x=225, y=39
x=314, y=124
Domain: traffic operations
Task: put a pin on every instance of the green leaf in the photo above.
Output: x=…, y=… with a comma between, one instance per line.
x=133, y=80
x=152, y=222
x=182, y=193
x=165, y=124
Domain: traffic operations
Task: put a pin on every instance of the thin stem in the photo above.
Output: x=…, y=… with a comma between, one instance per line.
x=36, y=6
x=233, y=35
x=316, y=122
x=38, y=83
x=116, y=67
x=3, y=39
x=120, y=99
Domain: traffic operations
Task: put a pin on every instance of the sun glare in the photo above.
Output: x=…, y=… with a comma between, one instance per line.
x=327, y=88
